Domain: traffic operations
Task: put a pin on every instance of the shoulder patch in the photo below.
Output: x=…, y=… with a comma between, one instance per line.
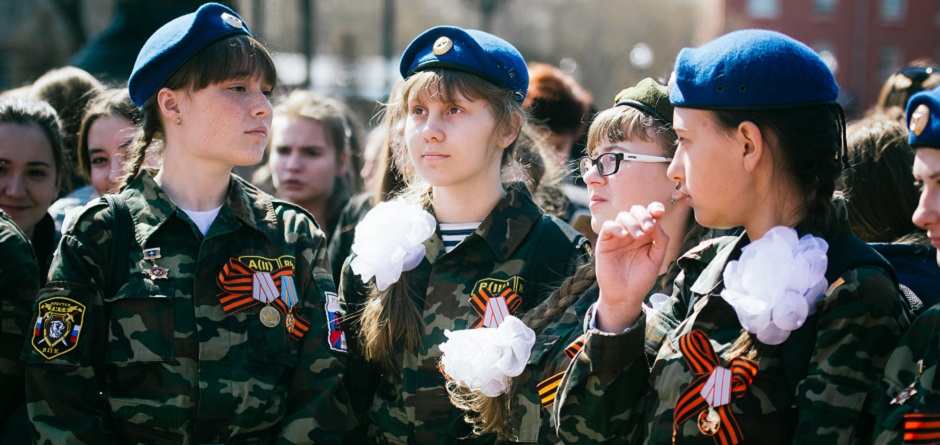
x=337, y=337
x=58, y=326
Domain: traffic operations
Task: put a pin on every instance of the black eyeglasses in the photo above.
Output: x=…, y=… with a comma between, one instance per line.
x=609, y=163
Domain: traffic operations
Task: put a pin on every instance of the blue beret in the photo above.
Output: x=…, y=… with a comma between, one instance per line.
x=471, y=51
x=923, y=119
x=175, y=42
x=752, y=69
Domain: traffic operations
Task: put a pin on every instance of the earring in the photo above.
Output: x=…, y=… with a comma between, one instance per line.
x=179, y=120
x=672, y=200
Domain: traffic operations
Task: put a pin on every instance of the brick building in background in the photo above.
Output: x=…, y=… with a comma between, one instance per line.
x=865, y=41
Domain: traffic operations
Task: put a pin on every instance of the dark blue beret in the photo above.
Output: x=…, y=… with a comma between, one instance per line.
x=471, y=51
x=923, y=119
x=175, y=42
x=752, y=69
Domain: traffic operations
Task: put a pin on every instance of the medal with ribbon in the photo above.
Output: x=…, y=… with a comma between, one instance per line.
x=243, y=288
x=710, y=393
x=493, y=309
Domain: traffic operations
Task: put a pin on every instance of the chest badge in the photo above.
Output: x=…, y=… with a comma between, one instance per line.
x=905, y=394
x=157, y=272
x=493, y=300
x=247, y=282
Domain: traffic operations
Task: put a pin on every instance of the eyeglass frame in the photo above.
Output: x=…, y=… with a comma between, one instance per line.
x=619, y=157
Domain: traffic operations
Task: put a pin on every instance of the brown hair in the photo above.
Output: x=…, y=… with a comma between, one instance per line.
x=112, y=102
x=391, y=317
x=920, y=75
x=341, y=129
x=235, y=57
x=878, y=182
x=620, y=123
x=556, y=101
x=25, y=112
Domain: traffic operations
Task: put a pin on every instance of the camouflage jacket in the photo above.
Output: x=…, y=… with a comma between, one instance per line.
x=498, y=256
x=907, y=401
x=19, y=279
x=812, y=388
x=534, y=390
x=172, y=365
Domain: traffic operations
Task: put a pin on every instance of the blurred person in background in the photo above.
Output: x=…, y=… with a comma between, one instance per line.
x=881, y=197
x=69, y=90
x=106, y=130
x=310, y=155
x=920, y=75
x=32, y=167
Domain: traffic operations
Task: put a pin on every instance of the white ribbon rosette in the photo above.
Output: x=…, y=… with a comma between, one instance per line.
x=485, y=359
x=389, y=241
x=776, y=283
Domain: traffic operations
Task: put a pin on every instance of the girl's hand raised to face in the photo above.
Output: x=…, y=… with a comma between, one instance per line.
x=629, y=255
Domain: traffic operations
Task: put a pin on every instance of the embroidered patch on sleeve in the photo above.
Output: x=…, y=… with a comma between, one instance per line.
x=58, y=326
x=337, y=337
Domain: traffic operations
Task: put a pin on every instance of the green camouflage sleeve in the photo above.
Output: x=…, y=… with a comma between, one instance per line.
x=360, y=378
x=19, y=279
x=603, y=391
x=318, y=401
x=861, y=321
x=907, y=390
x=63, y=397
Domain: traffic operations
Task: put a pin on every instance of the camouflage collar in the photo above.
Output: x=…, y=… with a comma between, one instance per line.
x=724, y=249
x=504, y=228
x=244, y=203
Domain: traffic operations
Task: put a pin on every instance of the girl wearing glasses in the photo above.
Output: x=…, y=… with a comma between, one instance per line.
x=773, y=336
x=631, y=145
x=463, y=250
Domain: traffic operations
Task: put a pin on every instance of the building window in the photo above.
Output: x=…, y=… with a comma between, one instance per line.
x=893, y=10
x=763, y=9
x=825, y=8
x=889, y=61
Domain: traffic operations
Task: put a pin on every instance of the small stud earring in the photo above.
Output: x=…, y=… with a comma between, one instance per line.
x=179, y=120
x=672, y=200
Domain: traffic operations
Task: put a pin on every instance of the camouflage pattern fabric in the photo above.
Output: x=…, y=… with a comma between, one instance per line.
x=623, y=388
x=907, y=400
x=19, y=279
x=175, y=368
x=414, y=407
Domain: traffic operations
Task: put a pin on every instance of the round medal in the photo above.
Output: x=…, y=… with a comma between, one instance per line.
x=269, y=316
x=709, y=422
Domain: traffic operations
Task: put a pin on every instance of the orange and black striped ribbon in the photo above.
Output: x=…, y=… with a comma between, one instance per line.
x=921, y=428
x=548, y=388
x=478, y=302
x=235, y=281
x=575, y=347
x=701, y=359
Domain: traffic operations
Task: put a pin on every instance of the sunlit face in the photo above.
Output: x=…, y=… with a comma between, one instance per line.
x=927, y=174
x=709, y=170
x=303, y=162
x=108, y=139
x=28, y=179
x=634, y=183
x=226, y=122
x=451, y=144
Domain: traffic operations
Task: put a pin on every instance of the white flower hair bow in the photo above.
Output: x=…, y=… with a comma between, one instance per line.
x=390, y=240
x=485, y=359
x=776, y=283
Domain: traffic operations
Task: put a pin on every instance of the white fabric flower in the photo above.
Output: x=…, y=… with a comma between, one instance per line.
x=389, y=241
x=776, y=283
x=485, y=359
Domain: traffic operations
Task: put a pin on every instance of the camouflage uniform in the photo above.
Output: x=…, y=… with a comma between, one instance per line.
x=497, y=256
x=810, y=389
x=19, y=279
x=175, y=368
x=898, y=410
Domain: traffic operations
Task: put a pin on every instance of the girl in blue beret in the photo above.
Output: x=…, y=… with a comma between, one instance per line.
x=773, y=336
x=191, y=307
x=465, y=247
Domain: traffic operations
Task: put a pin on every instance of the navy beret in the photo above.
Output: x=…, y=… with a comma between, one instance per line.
x=752, y=69
x=923, y=119
x=471, y=51
x=175, y=42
